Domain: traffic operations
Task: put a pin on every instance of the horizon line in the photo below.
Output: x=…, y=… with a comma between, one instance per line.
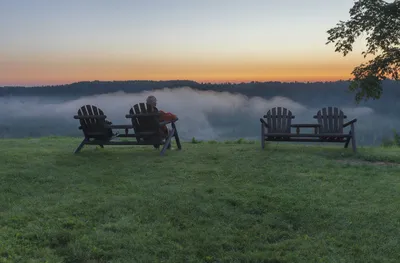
x=168, y=80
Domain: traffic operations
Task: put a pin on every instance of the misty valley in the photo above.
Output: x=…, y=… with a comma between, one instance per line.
x=206, y=111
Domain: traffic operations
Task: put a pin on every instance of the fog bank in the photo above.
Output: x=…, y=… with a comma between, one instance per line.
x=205, y=115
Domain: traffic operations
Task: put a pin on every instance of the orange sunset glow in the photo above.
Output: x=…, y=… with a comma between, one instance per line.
x=267, y=43
x=54, y=72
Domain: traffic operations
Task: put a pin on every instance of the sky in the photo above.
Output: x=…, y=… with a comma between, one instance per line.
x=48, y=42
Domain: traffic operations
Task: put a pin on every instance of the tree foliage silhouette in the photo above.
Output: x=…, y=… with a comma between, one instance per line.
x=379, y=21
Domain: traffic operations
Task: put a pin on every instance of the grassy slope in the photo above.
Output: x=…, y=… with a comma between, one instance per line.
x=208, y=203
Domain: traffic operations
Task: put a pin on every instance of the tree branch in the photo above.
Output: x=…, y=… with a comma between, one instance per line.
x=381, y=22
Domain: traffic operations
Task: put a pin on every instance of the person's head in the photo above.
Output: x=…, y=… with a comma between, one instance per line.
x=151, y=100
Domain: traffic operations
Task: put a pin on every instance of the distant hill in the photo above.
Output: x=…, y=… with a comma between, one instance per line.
x=311, y=93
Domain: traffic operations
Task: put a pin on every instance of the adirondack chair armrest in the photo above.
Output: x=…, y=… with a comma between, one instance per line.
x=100, y=117
x=292, y=117
x=316, y=116
x=168, y=122
x=263, y=122
x=130, y=116
x=349, y=123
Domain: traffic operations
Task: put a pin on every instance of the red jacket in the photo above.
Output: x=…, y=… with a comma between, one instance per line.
x=166, y=116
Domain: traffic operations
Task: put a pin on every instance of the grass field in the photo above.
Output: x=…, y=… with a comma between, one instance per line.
x=210, y=202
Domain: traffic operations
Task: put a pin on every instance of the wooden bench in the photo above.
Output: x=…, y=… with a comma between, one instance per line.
x=145, y=125
x=277, y=123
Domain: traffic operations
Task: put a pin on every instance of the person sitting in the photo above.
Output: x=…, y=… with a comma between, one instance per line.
x=164, y=116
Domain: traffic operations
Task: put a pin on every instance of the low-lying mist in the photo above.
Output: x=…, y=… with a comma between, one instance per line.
x=205, y=115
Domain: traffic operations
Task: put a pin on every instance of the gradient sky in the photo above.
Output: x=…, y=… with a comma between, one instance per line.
x=59, y=42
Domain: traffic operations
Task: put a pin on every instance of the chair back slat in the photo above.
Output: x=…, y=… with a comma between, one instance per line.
x=93, y=121
x=147, y=119
x=331, y=120
x=279, y=120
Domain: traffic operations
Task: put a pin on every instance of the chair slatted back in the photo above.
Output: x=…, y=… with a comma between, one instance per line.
x=279, y=120
x=145, y=118
x=331, y=120
x=92, y=121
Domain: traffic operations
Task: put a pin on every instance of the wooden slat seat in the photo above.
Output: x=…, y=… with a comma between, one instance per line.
x=292, y=135
x=147, y=127
x=276, y=125
x=93, y=124
x=331, y=120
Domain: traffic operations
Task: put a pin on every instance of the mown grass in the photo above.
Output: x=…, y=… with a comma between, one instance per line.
x=210, y=202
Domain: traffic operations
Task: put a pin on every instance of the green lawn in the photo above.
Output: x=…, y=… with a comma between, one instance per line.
x=210, y=202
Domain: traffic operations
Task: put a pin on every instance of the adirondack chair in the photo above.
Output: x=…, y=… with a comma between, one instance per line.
x=331, y=120
x=147, y=127
x=93, y=124
x=276, y=126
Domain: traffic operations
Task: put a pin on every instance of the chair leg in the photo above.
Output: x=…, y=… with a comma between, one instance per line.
x=167, y=142
x=353, y=138
x=262, y=136
x=80, y=146
x=346, y=145
x=177, y=140
x=353, y=145
x=169, y=145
